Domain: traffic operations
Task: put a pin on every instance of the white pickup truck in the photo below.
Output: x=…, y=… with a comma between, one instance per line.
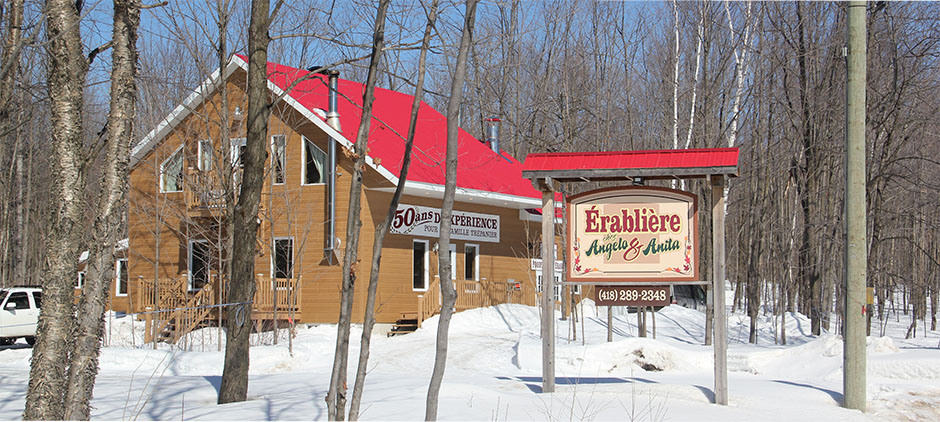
x=19, y=314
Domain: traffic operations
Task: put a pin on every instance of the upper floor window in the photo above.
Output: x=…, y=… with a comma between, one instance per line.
x=314, y=169
x=238, y=151
x=205, y=155
x=171, y=172
x=278, y=156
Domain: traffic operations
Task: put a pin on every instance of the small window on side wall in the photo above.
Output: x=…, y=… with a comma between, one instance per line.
x=171, y=172
x=278, y=157
x=471, y=262
x=120, y=282
x=314, y=169
x=419, y=268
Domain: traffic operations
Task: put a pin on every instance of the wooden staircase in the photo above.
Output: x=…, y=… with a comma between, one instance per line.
x=408, y=323
x=169, y=328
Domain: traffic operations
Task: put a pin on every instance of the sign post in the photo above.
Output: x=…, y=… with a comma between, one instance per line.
x=548, y=286
x=718, y=270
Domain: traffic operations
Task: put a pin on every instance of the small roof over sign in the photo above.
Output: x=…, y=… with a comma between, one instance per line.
x=620, y=165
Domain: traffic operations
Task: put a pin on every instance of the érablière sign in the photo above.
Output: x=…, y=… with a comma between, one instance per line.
x=416, y=220
x=633, y=234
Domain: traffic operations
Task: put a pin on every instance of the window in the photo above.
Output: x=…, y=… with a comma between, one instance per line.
x=278, y=158
x=206, y=155
x=238, y=151
x=471, y=262
x=120, y=281
x=19, y=301
x=556, y=291
x=576, y=289
x=314, y=163
x=284, y=257
x=199, y=261
x=37, y=299
x=453, y=261
x=419, y=266
x=80, y=280
x=171, y=172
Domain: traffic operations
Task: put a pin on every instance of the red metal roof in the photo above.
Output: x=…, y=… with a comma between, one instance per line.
x=479, y=168
x=653, y=159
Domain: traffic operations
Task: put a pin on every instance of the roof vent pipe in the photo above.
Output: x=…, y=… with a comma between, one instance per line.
x=332, y=119
x=491, y=133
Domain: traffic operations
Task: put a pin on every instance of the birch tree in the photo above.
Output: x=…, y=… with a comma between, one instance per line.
x=66, y=79
x=89, y=327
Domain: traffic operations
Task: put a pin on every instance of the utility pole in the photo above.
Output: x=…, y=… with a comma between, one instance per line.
x=856, y=260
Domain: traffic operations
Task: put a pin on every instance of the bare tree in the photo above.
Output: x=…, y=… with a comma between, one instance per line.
x=241, y=290
x=382, y=229
x=448, y=293
x=336, y=396
x=89, y=326
x=67, y=70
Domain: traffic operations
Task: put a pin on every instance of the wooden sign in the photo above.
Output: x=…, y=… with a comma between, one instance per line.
x=632, y=295
x=633, y=234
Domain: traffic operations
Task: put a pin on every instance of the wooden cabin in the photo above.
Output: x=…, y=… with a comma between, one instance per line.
x=180, y=186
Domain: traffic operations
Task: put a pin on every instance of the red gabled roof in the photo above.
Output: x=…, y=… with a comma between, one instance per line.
x=479, y=168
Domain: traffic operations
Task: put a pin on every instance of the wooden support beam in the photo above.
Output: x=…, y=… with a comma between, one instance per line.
x=718, y=275
x=546, y=185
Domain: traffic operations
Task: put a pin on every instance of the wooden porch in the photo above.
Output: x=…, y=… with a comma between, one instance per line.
x=171, y=310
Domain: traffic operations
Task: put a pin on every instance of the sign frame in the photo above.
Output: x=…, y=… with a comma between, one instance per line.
x=627, y=192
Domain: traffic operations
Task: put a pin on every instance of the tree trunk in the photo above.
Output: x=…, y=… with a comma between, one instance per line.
x=15, y=271
x=448, y=294
x=66, y=73
x=234, y=386
x=382, y=229
x=89, y=326
x=336, y=396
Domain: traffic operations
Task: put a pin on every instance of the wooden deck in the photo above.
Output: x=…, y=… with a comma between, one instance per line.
x=171, y=310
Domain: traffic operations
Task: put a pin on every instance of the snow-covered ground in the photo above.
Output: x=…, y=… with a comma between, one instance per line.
x=494, y=373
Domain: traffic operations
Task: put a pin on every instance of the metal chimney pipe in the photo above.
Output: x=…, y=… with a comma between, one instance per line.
x=332, y=119
x=491, y=133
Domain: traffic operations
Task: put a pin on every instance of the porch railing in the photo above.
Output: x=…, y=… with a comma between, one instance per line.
x=472, y=294
x=280, y=294
x=203, y=190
